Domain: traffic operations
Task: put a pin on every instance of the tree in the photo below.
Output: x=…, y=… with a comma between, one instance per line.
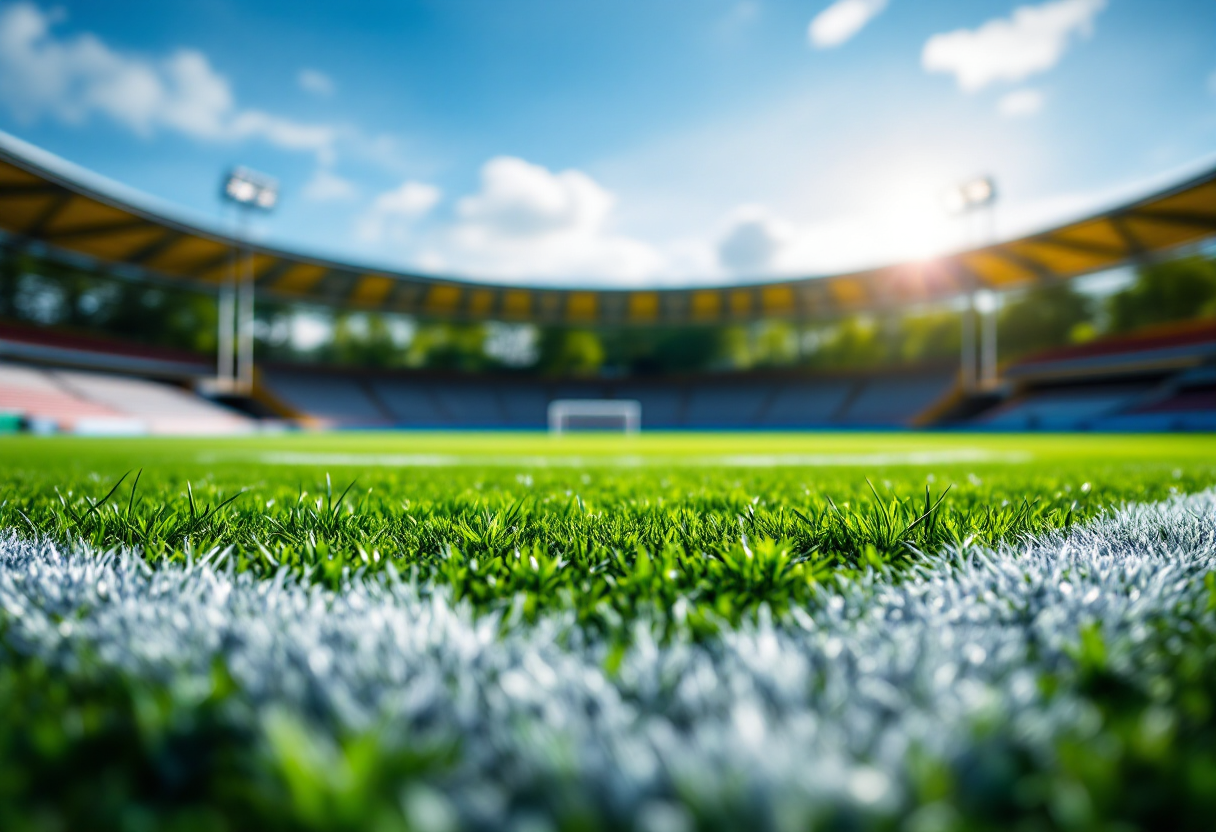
x=576, y=352
x=1042, y=318
x=774, y=344
x=443, y=345
x=930, y=335
x=1175, y=291
x=850, y=343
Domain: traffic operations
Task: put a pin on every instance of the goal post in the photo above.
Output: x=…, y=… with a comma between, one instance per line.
x=595, y=414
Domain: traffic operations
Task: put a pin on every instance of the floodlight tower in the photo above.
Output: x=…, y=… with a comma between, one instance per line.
x=248, y=191
x=977, y=198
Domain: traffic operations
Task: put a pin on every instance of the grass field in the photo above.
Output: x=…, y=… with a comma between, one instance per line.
x=666, y=632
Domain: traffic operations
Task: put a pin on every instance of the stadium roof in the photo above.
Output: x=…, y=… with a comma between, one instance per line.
x=40, y=205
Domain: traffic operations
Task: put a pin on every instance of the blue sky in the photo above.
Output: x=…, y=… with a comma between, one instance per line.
x=621, y=143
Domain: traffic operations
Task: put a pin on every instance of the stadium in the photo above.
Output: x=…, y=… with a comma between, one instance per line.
x=301, y=540
x=1158, y=380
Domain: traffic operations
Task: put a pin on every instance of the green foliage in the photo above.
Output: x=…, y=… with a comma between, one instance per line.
x=852, y=343
x=662, y=349
x=366, y=339
x=45, y=293
x=932, y=335
x=570, y=352
x=449, y=346
x=864, y=341
x=1177, y=290
x=1041, y=318
x=39, y=293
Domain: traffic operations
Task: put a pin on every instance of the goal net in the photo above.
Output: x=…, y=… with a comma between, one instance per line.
x=595, y=414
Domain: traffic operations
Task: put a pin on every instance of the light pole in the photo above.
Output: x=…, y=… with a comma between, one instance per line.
x=986, y=304
x=248, y=191
x=977, y=198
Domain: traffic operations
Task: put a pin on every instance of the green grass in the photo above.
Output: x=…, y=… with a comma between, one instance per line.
x=687, y=534
x=729, y=522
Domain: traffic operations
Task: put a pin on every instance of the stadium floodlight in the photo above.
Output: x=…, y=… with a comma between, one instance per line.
x=595, y=414
x=970, y=196
x=985, y=301
x=965, y=200
x=250, y=189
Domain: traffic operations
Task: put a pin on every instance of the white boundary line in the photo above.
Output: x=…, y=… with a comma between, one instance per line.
x=814, y=714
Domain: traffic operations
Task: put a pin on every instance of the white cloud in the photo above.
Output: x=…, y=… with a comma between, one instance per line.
x=520, y=199
x=1011, y=49
x=411, y=200
x=529, y=222
x=285, y=133
x=393, y=213
x=195, y=99
x=315, y=82
x=1023, y=102
x=74, y=78
x=326, y=186
x=841, y=21
x=906, y=222
x=752, y=241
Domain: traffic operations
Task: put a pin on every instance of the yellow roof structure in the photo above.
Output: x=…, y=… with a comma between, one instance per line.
x=42, y=207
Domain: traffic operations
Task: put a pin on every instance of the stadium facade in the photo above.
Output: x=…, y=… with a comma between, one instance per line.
x=54, y=215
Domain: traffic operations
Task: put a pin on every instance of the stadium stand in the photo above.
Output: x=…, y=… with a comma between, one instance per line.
x=524, y=407
x=86, y=402
x=331, y=399
x=1162, y=378
x=662, y=406
x=808, y=404
x=469, y=405
x=410, y=405
x=895, y=401
x=1066, y=409
x=36, y=397
x=1166, y=347
x=162, y=408
x=32, y=344
x=737, y=401
x=717, y=405
x=1185, y=402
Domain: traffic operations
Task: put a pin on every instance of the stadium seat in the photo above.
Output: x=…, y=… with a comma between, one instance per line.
x=163, y=408
x=663, y=407
x=338, y=400
x=524, y=405
x=84, y=402
x=469, y=405
x=1075, y=409
x=410, y=404
x=35, y=395
x=726, y=405
x=894, y=401
x=806, y=405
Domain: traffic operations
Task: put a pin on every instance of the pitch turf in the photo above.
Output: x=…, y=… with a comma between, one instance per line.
x=436, y=631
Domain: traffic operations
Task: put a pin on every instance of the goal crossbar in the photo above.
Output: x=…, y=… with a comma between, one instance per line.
x=594, y=414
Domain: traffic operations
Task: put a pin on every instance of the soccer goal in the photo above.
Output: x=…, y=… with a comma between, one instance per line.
x=595, y=414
